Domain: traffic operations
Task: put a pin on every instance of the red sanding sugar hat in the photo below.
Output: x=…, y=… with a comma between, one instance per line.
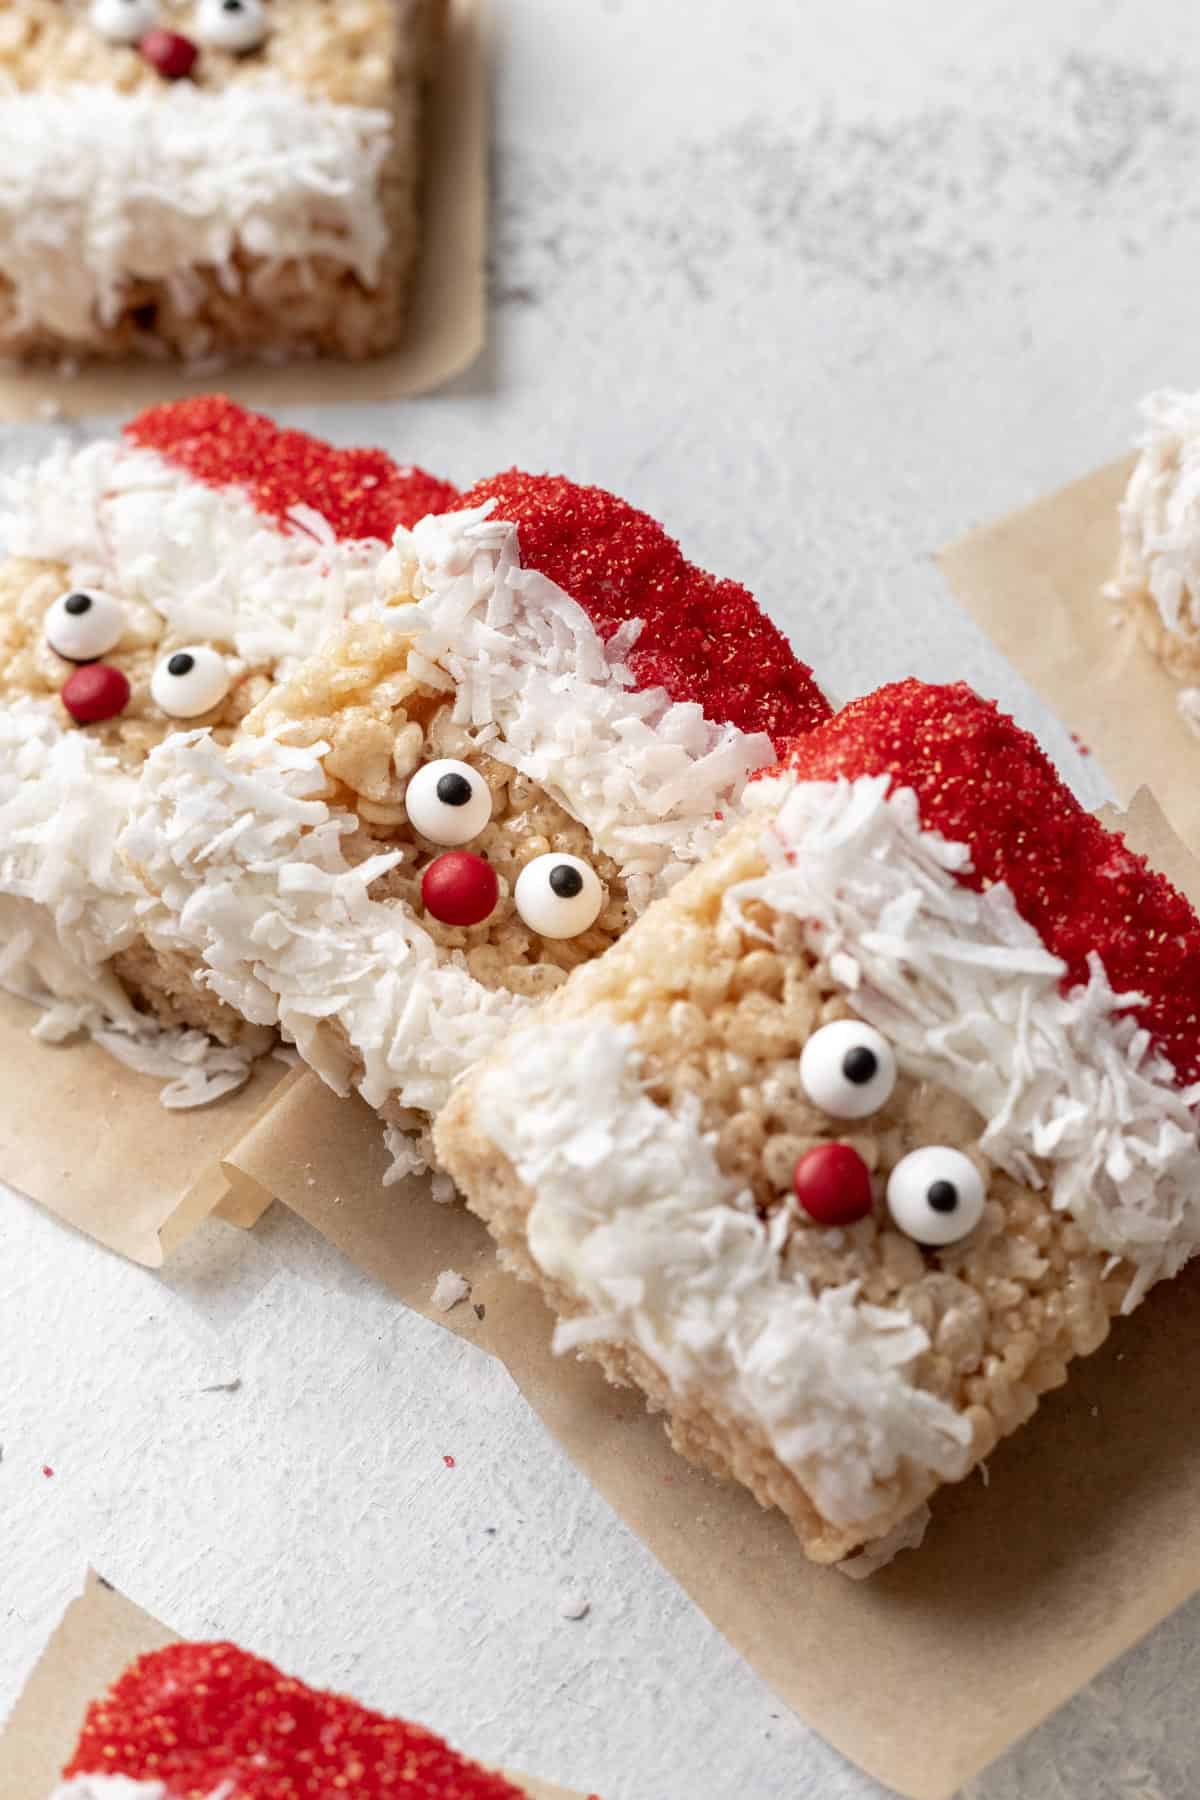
x=209, y=1719
x=982, y=781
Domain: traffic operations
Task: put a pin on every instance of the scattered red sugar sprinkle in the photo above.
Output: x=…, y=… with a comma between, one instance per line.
x=449, y=1462
x=981, y=780
x=1079, y=744
x=362, y=493
x=196, y=1717
x=47, y=1471
x=702, y=639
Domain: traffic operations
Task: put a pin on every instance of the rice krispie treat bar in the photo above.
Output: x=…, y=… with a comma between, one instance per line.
x=212, y=1722
x=453, y=806
x=202, y=179
x=1157, y=583
x=868, y=1128
x=158, y=580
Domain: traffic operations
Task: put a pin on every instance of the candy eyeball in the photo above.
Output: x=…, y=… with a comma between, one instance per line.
x=558, y=896
x=124, y=21
x=190, y=681
x=936, y=1195
x=448, y=802
x=83, y=624
x=237, y=25
x=848, y=1069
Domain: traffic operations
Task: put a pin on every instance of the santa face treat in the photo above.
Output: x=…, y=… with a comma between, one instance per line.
x=869, y=1127
x=456, y=803
x=206, y=178
x=211, y=1722
x=1158, y=578
x=157, y=581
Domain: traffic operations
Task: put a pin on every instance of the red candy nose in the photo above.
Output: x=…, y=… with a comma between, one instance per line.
x=172, y=54
x=95, y=692
x=833, y=1184
x=460, y=889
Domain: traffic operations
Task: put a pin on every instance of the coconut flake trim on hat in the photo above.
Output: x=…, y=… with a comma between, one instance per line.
x=100, y=188
x=651, y=778
x=1072, y=1092
x=632, y=1211
x=1160, y=514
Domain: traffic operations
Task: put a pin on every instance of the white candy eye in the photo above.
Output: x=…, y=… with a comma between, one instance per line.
x=448, y=802
x=190, y=681
x=848, y=1069
x=936, y=1195
x=84, y=624
x=232, y=24
x=558, y=896
x=124, y=21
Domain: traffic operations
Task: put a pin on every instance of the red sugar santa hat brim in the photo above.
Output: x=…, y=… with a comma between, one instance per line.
x=195, y=1716
x=983, y=781
x=702, y=639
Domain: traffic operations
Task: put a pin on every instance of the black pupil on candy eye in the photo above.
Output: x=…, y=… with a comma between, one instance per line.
x=181, y=664
x=566, y=882
x=234, y=6
x=77, y=604
x=453, y=790
x=942, y=1196
x=860, y=1065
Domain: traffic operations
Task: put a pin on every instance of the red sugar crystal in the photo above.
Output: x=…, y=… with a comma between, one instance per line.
x=362, y=493
x=702, y=639
x=982, y=781
x=197, y=1716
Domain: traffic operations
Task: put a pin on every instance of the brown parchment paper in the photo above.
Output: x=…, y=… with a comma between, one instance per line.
x=89, y=1140
x=447, y=323
x=1033, y=582
x=1085, y=1536
x=100, y=1634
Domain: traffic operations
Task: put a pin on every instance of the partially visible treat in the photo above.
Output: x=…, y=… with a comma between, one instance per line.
x=212, y=1722
x=157, y=581
x=1157, y=583
x=207, y=179
x=865, y=1130
x=457, y=802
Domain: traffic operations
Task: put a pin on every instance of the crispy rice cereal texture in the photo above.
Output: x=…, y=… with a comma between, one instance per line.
x=268, y=205
x=687, y=1038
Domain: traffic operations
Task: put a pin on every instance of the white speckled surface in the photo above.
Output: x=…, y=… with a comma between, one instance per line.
x=822, y=285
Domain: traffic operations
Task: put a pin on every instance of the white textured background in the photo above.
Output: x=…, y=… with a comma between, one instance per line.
x=822, y=285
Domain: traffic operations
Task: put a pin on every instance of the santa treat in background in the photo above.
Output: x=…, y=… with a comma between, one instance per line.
x=205, y=178
x=451, y=806
x=867, y=1128
x=157, y=581
x=1157, y=583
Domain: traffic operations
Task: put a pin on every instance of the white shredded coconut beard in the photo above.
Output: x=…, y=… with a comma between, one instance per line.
x=246, y=857
x=190, y=564
x=101, y=189
x=632, y=1214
